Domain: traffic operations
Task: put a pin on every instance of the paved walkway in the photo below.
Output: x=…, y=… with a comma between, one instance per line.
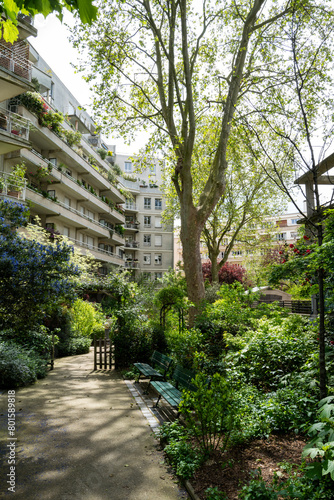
x=81, y=436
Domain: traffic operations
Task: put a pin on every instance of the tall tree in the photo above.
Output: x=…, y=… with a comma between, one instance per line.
x=164, y=65
x=304, y=126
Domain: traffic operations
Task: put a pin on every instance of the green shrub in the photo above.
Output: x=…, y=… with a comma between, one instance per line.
x=18, y=366
x=277, y=348
x=209, y=412
x=184, y=458
x=215, y=494
x=73, y=346
x=184, y=345
x=84, y=318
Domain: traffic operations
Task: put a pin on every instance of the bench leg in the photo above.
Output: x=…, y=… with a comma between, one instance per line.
x=156, y=404
x=148, y=385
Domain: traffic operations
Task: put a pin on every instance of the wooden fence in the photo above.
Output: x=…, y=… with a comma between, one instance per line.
x=295, y=306
x=103, y=354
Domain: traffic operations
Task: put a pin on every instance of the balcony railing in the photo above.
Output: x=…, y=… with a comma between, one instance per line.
x=14, y=124
x=15, y=60
x=10, y=186
x=131, y=225
x=132, y=244
x=130, y=206
x=94, y=248
x=131, y=264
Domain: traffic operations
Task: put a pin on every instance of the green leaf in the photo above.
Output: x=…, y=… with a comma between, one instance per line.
x=87, y=11
x=328, y=468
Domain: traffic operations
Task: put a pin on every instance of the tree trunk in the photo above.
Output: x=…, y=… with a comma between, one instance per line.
x=214, y=268
x=190, y=237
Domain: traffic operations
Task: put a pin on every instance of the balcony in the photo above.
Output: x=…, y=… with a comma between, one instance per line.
x=14, y=132
x=132, y=244
x=132, y=207
x=98, y=252
x=15, y=69
x=131, y=225
x=130, y=264
x=11, y=188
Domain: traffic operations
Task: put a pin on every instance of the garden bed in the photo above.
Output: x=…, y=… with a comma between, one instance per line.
x=231, y=470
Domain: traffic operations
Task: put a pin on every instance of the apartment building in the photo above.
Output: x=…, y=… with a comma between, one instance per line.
x=148, y=242
x=67, y=180
x=273, y=231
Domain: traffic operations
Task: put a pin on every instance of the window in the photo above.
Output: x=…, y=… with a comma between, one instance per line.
x=53, y=161
x=158, y=240
x=66, y=231
x=294, y=221
x=294, y=235
x=50, y=226
x=158, y=203
x=147, y=203
x=67, y=202
x=147, y=258
x=147, y=221
x=158, y=259
x=147, y=240
x=90, y=242
x=281, y=236
x=90, y=214
x=147, y=276
x=236, y=252
x=52, y=193
x=128, y=166
x=157, y=276
x=153, y=169
x=157, y=222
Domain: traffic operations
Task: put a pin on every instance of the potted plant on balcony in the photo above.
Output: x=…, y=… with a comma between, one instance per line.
x=16, y=180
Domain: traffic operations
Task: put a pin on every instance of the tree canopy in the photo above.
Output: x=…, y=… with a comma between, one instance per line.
x=10, y=9
x=177, y=68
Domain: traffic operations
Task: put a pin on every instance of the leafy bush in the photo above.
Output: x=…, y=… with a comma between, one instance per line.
x=184, y=345
x=215, y=494
x=275, y=349
x=209, y=412
x=73, y=346
x=19, y=366
x=184, y=458
x=84, y=317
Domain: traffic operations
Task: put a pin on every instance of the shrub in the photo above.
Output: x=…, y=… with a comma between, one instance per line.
x=209, y=412
x=84, y=318
x=18, y=366
x=274, y=350
x=184, y=458
x=73, y=346
x=184, y=345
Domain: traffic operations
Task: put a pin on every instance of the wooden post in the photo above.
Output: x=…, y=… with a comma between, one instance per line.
x=100, y=348
x=53, y=351
x=95, y=352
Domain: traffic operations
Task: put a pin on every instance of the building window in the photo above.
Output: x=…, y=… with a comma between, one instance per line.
x=157, y=222
x=158, y=203
x=147, y=203
x=281, y=236
x=236, y=252
x=158, y=240
x=50, y=226
x=157, y=276
x=128, y=166
x=294, y=235
x=147, y=240
x=53, y=161
x=158, y=259
x=52, y=193
x=90, y=242
x=103, y=271
x=147, y=221
x=67, y=202
x=147, y=258
x=153, y=169
x=147, y=276
x=90, y=214
x=294, y=221
x=66, y=231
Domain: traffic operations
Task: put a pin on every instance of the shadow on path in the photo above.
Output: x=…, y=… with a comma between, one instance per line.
x=81, y=436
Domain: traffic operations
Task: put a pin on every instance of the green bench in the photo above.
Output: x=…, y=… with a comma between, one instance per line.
x=172, y=393
x=158, y=360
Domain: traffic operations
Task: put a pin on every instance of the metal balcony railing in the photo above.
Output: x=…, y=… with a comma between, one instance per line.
x=131, y=265
x=15, y=61
x=14, y=124
x=132, y=244
x=94, y=248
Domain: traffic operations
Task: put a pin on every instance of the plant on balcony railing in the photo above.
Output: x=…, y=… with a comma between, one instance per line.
x=129, y=177
x=46, y=117
x=71, y=137
x=16, y=180
x=119, y=209
x=119, y=229
x=102, y=152
x=44, y=193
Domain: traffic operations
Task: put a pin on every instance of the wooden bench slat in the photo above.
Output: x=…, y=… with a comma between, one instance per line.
x=158, y=360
